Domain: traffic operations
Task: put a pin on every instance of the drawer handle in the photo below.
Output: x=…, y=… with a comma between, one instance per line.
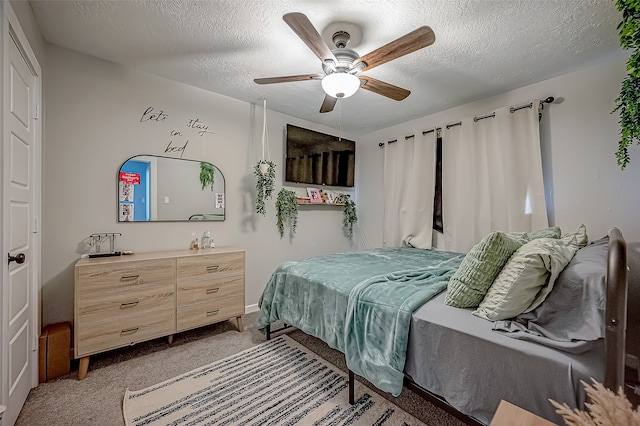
x=213, y=290
x=129, y=277
x=212, y=268
x=213, y=312
x=129, y=304
x=129, y=331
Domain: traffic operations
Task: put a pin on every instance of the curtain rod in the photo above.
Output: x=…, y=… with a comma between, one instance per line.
x=516, y=108
x=513, y=109
x=389, y=142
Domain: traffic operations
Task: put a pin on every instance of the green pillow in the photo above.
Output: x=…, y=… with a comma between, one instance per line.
x=580, y=236
x=575, y=241
x=482, y=264
x=552, y=232
x=529, y=276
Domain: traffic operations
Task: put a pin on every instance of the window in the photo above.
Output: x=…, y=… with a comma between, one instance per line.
x=437, y=198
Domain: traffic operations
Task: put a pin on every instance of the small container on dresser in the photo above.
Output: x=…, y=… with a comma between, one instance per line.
x=124, y=300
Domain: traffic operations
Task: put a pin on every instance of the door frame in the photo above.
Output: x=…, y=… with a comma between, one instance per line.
x=12, y=32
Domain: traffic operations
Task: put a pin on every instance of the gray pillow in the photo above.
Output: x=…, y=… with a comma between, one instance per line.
x=573, y=314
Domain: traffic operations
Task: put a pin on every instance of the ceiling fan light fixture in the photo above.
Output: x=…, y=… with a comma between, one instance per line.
x=340, y=84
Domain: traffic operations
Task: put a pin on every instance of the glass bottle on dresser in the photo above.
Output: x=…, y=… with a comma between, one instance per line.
x=207, y=241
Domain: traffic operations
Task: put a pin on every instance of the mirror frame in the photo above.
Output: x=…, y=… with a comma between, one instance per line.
x=217, y=172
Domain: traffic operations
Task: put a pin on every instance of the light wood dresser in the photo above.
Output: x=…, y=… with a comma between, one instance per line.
x=124, y=300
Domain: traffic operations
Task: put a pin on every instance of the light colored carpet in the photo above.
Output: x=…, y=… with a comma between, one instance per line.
x=278, y=382
x=97, y=400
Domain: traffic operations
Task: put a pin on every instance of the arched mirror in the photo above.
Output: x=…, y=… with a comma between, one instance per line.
x=164, y=189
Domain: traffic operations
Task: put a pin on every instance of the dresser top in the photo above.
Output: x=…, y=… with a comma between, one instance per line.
x=169, y=254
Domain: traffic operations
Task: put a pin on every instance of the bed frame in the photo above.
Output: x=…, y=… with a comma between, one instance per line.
x=615, y=334
x=616, y=313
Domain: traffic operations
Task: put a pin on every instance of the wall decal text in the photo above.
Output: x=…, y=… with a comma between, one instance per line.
x=202, y=128
x=180, y=149
x=151, y=114
x=179, y=139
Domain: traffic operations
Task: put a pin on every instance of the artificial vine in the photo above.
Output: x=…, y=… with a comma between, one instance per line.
x=265, y=184
x=207, y=173
x=349, y=216
x=287, y=211
x=627, y=103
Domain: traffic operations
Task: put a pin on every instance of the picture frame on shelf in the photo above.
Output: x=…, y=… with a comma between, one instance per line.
x=328, y=197
x=314, y=195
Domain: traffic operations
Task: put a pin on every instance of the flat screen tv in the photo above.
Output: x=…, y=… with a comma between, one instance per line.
x=318, y=159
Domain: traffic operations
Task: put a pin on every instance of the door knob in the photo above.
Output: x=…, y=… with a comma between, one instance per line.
x=19, y=258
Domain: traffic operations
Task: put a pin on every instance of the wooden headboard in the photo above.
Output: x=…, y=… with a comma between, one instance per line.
x=616, y=315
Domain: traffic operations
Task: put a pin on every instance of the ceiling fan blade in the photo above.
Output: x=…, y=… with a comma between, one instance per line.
x=415, y=40
x=301, y=25
x=385, y=89
x=287, y=79
x=328, y=104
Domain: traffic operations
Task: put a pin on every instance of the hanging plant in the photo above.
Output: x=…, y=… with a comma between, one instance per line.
x=287, y=211
x=265, y=172
x=627, y=103
x=349, y=216
x=207, y=172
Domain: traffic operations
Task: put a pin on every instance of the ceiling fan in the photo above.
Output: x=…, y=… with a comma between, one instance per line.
x=342, y=65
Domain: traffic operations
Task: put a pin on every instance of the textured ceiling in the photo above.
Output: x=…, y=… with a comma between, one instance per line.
x=482, y=47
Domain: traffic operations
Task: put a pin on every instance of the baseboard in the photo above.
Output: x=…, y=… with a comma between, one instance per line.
x=251, y=308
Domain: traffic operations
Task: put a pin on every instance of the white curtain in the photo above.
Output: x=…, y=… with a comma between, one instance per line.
x=492, y=177
x=409, y=184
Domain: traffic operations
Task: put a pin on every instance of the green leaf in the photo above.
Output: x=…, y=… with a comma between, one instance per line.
x=207, y=175
x=265, y=185
x=349, y=216
x=287, y=211
x=628, y=102
x=628, y=106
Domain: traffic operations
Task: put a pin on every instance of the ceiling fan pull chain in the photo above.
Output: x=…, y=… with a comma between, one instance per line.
x=339, y=120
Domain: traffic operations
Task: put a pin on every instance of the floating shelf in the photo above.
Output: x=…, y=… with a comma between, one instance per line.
x=321, y=204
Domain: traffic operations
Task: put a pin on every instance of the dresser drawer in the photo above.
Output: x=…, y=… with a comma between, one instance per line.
x=207, y=266
x=100, y=336
x=198, y=314
x=213, y=289
x=130, y=302
x=116, y=277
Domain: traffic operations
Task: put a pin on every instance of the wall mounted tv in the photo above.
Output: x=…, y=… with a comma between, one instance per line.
x=318, y=159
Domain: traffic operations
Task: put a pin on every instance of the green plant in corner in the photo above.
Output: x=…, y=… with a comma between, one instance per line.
x=349, y=216
x=207, y=173
x=265, y=172
x=628, y=102
x=287, y=211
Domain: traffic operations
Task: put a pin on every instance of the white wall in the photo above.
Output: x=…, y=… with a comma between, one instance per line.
x=93, y=109
x=584, y=183
x=93, y=124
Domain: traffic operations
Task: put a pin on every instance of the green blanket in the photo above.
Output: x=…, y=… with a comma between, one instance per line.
x=359, y=303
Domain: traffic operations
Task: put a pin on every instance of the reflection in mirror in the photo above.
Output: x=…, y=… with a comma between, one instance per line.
x=153, y=188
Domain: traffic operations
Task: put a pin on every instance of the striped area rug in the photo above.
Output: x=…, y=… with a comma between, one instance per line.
x=276, y=383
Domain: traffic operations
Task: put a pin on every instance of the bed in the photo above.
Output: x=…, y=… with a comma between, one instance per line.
x=388, y=311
